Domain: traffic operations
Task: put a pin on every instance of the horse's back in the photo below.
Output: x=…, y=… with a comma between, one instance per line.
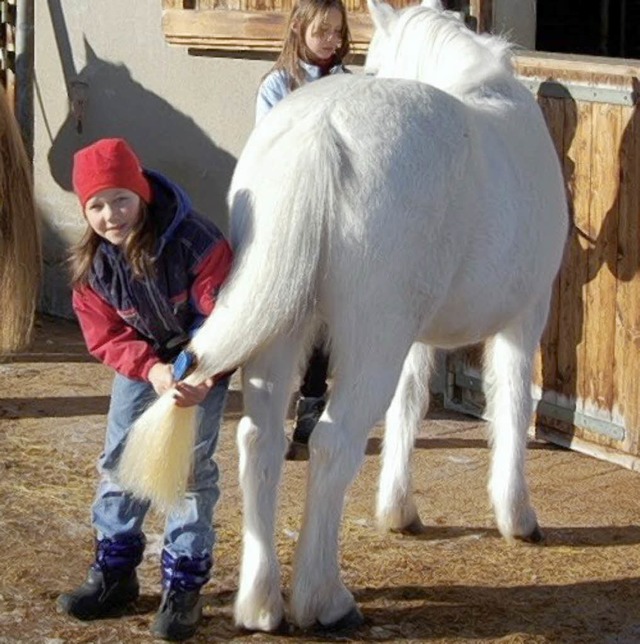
x=381, y=128
x=431, y=194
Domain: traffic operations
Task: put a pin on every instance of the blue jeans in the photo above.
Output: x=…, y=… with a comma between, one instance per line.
x=116, y=514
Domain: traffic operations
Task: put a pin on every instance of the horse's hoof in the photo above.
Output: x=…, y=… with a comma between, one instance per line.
x=414, y=528
x=536, y=536
x=283, y=628
x=348, y=622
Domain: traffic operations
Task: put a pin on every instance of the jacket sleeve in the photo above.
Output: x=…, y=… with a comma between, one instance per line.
x=210, y=273
x=272, y=90
x=109, y=338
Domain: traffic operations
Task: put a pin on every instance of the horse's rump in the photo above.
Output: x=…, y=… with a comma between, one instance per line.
x=427, y=193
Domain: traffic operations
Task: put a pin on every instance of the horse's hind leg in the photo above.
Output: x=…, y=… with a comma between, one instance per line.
x=361, y=392
x=396, y=509
x=508, y=372
x=267, y=382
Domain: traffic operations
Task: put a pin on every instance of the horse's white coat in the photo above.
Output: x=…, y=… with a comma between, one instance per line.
x=422, y=208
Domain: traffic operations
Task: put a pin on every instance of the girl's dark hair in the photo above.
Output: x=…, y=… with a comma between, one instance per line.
x=138, y=249
x=294, y=48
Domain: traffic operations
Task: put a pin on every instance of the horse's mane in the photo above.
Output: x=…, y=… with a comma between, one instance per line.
x=437, y=48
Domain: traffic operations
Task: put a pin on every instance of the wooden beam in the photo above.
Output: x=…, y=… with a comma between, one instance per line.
x=243, y=30
x=482, y=11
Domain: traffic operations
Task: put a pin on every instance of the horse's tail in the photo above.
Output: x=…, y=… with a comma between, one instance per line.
x=283, y=192
x=284, y=188
x=20, y=252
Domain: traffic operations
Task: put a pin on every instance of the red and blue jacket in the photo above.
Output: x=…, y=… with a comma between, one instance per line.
x=132, y=324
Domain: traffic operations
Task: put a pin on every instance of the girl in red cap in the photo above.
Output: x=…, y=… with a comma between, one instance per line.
x=145, y=275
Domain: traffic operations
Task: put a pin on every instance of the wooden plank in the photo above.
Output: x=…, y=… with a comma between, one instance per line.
x=243, y=30
x=600, y=294
x=577, y=67
x=627, y=345
x=179, y=4
x=245, y=5
x=546, y=360
x=352, y=6
x=192, y=27
x=573, y=273
x=482, y=10
x=258, y=25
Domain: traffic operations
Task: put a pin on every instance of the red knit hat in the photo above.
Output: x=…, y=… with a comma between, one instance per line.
x=108, y=163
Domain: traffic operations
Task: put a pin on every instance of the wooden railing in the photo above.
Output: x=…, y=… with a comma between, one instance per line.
x=258, y=25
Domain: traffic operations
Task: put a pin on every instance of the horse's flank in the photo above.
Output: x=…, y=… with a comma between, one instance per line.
x=20, y=250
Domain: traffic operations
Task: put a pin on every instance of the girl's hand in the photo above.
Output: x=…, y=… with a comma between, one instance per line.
x=187, y=395
x=161, y=377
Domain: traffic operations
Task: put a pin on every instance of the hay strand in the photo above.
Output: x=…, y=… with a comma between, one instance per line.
x=158, y=457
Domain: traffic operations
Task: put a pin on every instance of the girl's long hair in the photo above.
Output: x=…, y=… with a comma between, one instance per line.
x=295, y=49
x=138, y=249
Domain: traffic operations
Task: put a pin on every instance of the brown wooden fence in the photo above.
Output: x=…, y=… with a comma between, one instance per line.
x=588, y=367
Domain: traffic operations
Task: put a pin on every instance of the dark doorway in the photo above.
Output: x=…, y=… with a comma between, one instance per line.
x=595, y=27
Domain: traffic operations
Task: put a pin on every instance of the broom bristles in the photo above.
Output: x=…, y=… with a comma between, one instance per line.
x=20, y=248
x=157, y=460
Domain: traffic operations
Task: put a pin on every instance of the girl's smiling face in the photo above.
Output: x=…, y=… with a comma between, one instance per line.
x=324, y=35
x=113, y=213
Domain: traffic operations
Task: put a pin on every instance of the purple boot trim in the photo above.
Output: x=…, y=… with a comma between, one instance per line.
x=185, y=573
x=119, y=555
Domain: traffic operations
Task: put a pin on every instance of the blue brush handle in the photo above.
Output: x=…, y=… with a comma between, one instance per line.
x=183, y=364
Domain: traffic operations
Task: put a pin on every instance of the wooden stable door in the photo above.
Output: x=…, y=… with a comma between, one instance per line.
x=588, y=368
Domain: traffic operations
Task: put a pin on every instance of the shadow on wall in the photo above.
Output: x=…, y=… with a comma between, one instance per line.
x=165, y=139
x=614, y=248
x=55, y=292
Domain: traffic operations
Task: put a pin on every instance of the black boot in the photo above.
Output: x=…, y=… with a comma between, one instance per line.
x=308, y=412
x=111, y=584
x=179, y=615
x=99, y=596
x=181, y=607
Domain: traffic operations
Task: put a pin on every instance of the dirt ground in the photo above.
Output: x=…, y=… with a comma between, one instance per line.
x=457, y=582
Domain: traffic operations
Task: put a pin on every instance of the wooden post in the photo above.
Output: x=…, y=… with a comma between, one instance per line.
x=482, y=11
x=7, y=49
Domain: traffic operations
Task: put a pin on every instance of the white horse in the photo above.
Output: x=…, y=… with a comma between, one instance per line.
x=420, y=208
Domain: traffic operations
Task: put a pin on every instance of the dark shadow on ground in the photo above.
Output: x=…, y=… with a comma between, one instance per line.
x=574, y=536
x=481, y=612
x=374, y=444
x=54, y=407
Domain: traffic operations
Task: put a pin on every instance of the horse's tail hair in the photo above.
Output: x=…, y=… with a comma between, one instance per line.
x=20, y=250
x=278, y=214
x=280, y=200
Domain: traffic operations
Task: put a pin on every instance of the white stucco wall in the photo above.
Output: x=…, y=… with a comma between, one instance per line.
x=517, y=20
x=187, y=116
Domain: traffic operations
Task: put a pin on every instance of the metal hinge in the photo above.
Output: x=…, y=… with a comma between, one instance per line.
x=579, y=92
x=458, y=381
